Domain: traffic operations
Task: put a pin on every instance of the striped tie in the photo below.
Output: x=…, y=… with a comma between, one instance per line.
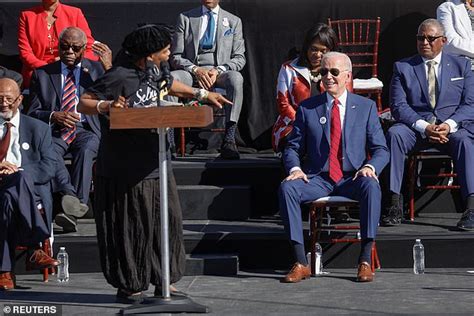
x=68, y=104
x=335, y=149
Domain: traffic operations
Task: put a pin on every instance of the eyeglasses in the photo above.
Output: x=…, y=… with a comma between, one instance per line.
x=8, y=100
x=430, y=39
x=334, y=71
x=75, y=48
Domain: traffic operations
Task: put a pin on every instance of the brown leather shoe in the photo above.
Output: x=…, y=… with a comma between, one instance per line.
x=364, y=273
x=297, y=273
x=40, y=260
x=6, y=281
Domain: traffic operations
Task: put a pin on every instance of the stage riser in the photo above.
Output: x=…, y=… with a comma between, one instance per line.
x=215, y=203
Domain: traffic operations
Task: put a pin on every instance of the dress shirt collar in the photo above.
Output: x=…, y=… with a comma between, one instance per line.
x=342, y=99
x=65, y=69
x=204, y=10
x=437, y=59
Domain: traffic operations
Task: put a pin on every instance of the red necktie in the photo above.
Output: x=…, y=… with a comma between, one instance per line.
x=335, y=150
x=68, y=104
x=5, y=142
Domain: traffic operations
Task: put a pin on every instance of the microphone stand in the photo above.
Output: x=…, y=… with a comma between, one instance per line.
x=167, y=303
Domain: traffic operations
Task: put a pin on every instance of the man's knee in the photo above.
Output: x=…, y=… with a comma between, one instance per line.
x=182, y=76
x=235, y=79
x=288, y=188
x=369, y=185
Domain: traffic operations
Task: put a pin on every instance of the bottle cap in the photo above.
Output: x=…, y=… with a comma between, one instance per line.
x=418, y=240
x=62, y=248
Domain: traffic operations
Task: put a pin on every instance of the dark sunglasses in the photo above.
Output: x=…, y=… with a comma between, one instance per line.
x=430, y=39
x=75, y=48
x=334, y=71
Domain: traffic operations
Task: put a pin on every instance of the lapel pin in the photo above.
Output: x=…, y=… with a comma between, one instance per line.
x=25, y=146
x=353, y=106
x=322, y=120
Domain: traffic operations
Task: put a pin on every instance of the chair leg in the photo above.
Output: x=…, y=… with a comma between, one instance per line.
x=411, y=186
x=312, y=234
x=379, y=101
x=182, y=142
x=46, y=246
x=375, y=262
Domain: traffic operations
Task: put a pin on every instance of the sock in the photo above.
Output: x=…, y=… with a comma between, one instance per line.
x=230, y=128
x=299, y=253
x=395, y=199
x=366, y=250
x=470, y=202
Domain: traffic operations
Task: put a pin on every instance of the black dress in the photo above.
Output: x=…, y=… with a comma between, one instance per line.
x=127, y=199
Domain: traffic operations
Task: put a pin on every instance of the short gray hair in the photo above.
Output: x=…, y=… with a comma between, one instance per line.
x=343, y=56
x=76, y=29
x=432, y=22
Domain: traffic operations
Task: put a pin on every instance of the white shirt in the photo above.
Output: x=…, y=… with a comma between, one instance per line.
x=13, y=153
x=421, y=125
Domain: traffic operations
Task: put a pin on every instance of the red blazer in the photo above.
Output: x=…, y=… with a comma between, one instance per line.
x=33, y=36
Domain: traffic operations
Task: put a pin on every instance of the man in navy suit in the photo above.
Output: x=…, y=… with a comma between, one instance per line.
x=432, y=99
x=48, y=94
x=331, y=133
x=27, y=166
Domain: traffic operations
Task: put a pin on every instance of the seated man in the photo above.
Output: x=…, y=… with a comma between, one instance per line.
x=55, y=91
x=332, y=132
x=432, y=99
x=208, y=50
x=26, y=168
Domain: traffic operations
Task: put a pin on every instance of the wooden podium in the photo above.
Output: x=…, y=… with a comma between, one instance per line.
x=161, y=118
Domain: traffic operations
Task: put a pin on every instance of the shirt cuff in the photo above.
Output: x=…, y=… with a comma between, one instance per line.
x=190, y=68
x=295, y=169
x=221, y=69
x=420, y=126
x=50, y=116
x=368, y=165
x=453, y=126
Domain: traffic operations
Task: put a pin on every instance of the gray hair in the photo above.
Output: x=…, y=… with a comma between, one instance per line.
x=76, y=29
x=343, y=56
x=432, y=22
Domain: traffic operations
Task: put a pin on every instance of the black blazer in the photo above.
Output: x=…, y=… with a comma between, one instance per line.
x=46, y=90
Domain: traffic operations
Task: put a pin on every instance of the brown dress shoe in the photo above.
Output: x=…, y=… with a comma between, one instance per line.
x=40, y=260
x=6, y=281
x=297, y=273
x=364, y=273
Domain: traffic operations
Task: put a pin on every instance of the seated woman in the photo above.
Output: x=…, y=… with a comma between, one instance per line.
x=457, y=18
x=38, y=32
x=299, y=79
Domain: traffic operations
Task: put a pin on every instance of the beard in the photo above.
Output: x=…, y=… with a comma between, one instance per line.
x=6, y=115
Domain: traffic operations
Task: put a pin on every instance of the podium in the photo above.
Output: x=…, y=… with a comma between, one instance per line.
x=162, y=118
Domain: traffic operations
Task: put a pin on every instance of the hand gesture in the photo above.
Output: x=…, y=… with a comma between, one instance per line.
x=65, y=119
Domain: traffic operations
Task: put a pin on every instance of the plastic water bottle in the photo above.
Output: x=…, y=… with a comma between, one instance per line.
x=418, y=257
x=318, y=264
x=63, y=267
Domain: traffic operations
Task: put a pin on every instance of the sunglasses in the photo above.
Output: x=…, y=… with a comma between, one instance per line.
x=75, y=48
x=334, y=71
x=430, y=39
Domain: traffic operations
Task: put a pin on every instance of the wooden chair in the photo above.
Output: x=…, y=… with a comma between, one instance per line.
x=316, y=214
x=359, y=39
x=414, y=167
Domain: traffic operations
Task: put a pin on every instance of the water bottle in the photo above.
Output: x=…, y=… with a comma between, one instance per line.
x=418, y=257
x=318, y=264
x=63, y=267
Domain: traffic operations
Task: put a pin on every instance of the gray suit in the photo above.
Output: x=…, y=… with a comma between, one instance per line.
x=229, y=53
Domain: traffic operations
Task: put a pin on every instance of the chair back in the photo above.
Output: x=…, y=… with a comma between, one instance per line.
x=359, y=39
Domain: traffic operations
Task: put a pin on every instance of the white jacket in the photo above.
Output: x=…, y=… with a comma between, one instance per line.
x=453, y=16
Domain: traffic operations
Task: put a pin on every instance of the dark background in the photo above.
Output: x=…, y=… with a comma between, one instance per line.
x=271, y=28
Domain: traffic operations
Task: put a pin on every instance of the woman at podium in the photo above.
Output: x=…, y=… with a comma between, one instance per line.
x=127, y=185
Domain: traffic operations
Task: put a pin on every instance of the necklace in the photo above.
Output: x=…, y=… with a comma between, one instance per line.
x=315, y=77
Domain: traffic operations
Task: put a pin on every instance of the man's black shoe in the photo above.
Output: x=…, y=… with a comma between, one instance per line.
x=393, y=216
x=67, y=222
x=467, y=220
x=229, y=151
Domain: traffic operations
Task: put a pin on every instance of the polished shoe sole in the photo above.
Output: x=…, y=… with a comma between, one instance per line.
x=72, y=206
x=67, y=224
x=291, y=281
x=466, y=228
